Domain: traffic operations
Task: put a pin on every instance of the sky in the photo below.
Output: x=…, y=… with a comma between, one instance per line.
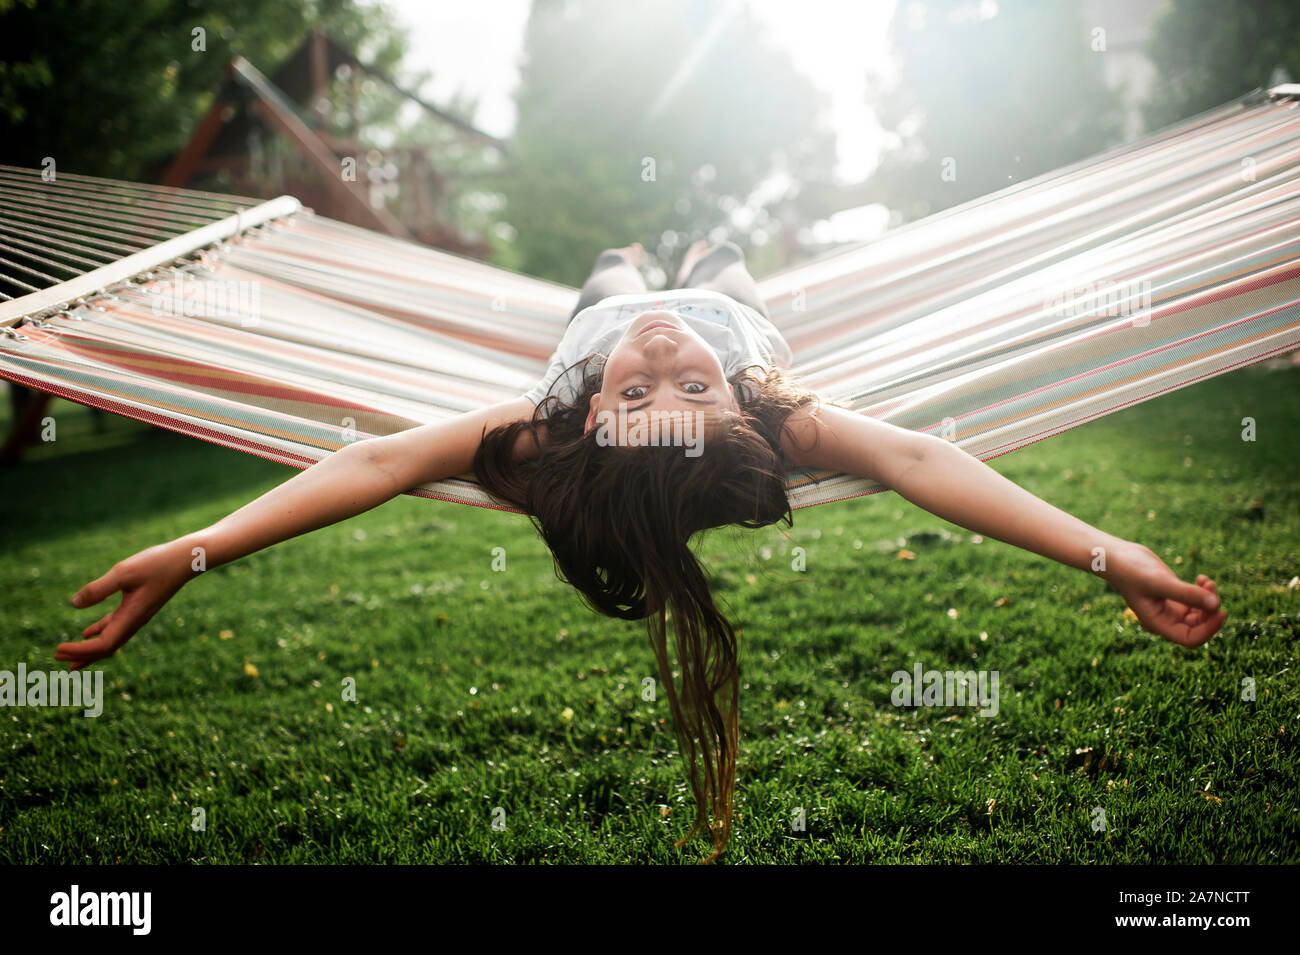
x=474, y=45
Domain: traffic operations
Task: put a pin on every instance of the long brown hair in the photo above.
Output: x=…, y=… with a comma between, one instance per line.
x=618, y=521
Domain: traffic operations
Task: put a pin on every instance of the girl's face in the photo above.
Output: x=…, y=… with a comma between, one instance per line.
x=660, y=364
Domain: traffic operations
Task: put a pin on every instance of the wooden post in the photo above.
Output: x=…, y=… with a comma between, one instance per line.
x=350, y=196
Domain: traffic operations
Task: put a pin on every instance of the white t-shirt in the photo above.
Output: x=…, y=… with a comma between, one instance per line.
x=741, y=336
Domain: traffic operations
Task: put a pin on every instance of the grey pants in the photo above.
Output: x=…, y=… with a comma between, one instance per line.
x=722, y=269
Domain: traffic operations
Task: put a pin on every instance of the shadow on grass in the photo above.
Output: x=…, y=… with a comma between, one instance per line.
x=123, y=470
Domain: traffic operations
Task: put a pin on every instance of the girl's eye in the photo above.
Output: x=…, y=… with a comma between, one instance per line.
x=639, y=391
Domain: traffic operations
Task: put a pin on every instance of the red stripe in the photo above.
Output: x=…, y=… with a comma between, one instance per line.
x=1152, y=351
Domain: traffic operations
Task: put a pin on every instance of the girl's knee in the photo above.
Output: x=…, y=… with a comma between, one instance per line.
x=610, y=257
x=713, y=263
x=726, y=251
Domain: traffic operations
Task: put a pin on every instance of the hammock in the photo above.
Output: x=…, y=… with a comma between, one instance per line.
x=265, y=328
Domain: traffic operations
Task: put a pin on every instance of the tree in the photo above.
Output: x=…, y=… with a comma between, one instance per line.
x=986, y=95
x=653, y=125
x=1207, y=52
x=109, y=87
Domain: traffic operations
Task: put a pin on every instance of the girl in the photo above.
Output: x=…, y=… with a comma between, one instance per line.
x=618, y=511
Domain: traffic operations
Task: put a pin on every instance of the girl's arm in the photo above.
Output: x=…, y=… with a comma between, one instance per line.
x=354, y=479
x=940, y=477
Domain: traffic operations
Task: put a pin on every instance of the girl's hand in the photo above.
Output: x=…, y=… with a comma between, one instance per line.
x=147, y=581
x=1187, y=614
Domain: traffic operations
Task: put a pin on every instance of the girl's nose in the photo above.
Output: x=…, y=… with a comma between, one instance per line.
x=660, y=345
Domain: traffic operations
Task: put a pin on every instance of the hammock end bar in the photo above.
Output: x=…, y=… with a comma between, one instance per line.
x=96, y=281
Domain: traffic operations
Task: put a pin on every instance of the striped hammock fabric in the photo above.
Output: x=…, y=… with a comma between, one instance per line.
x=265, y=328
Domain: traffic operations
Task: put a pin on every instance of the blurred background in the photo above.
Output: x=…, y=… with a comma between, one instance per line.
x=534, y=133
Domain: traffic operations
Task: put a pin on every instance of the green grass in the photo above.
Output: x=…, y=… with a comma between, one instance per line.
x=464, y=674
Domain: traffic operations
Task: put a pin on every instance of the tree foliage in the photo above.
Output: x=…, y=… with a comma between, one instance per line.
x=654, y=124
x=986, y=95
x=109, y=87
x=1206, y=52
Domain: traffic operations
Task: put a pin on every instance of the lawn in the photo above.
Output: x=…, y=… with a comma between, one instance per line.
x=499, y=720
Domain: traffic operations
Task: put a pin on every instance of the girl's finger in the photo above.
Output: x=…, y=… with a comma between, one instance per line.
x=98, y=625
x=95, y=630
x=1195, y=595
x=77, y=651
x=89, y=650
x=1206, y=628
x=1172, y=610
x=96, y=590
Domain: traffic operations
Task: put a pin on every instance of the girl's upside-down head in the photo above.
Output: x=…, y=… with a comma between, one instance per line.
x=618, y=512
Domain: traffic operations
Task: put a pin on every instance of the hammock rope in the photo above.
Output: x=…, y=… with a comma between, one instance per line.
x=265, y=328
